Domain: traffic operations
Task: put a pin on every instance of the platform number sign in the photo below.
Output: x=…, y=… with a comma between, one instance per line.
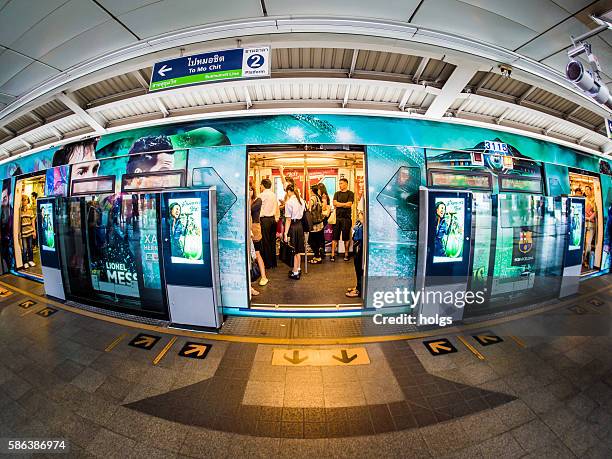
x=227, y=64
x=497, y=147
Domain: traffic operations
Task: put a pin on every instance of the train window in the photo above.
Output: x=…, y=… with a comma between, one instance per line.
x=150, y=181
x=93, y=185
x=520, y=184
x=461, y=180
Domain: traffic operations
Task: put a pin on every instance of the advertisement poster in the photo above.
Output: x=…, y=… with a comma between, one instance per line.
x=449, y=220
x=57, y=180
x=186, y=231
x=114, y=244
x=523, y=248
x=576, y=213
x=47, y=241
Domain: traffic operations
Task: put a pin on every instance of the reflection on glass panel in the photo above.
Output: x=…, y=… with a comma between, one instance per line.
x=152, y=181
x=97, y=185
x=110, y=251
x=208, y=176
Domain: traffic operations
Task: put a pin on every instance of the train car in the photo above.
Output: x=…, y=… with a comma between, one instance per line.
x=491, y=211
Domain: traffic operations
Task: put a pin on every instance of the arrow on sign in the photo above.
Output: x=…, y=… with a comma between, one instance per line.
x=46, y=312
x=488, y=339
x=200, y=349
x=146, y=340
x=438, y=346
x=296, y=358
x=26, y=304
x=163, y=70
x=345, y=358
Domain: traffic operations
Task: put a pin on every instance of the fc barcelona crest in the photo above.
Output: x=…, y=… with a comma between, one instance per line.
x=525, y=241
x=523, y=246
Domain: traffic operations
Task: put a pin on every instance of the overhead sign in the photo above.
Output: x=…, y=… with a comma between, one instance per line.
x=609, y=127
x=229, y=64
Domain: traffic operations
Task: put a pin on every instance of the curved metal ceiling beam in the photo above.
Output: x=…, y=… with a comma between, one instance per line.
x=401, y=31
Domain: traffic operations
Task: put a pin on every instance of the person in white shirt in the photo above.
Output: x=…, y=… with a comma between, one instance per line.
x=294, y=233
x=268, y=216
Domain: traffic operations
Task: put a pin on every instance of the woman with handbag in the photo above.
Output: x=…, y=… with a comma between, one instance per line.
x=256, y=236
x=294, y=231
x=315, y=239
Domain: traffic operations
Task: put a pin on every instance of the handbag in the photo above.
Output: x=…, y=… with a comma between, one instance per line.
x=332, y=218
x=255, y=272
x=286, y=253
x=306, y=221
x=256, y=230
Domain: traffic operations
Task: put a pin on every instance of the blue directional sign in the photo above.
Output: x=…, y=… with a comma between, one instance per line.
x=229, y=64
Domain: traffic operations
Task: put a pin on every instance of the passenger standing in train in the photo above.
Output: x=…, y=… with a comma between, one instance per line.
x=27, y=232
x=33, y=199
x=256, y=233
x=343, y=203
x=358, y=256
x=315, y=239
x=591, y=225
x=268, y=216
x=294, y=232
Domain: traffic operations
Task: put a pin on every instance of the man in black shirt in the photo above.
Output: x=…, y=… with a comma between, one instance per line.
x=343, y=203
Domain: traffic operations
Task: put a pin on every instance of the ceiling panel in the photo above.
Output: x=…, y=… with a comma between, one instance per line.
x=11, y=63
x=537, y=15
x=170, y=15
x=554, y=40
x=466, y=20
x=399, y=10
x=63, y=24
x=118, y=7
x=573, y=6
x=20, y=15
x=31, y=76
x=107, y=36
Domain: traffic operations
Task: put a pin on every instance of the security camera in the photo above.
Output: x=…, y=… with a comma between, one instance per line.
x=587, y=81
x=506, y=70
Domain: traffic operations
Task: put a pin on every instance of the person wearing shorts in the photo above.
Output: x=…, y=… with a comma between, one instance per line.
x=343, y=204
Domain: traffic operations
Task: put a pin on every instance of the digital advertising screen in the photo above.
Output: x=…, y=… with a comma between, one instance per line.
x=47, y=240
x=576, y=225
x=57, y=181
x=186, y=231
x=449, y=221
x=523, y=247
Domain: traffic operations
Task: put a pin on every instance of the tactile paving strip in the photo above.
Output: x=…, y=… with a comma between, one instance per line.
x=254, y=326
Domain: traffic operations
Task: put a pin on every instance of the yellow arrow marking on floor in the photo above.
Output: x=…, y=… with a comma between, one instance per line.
x=148, y=341
x=487, y=338
x=26, y=304
x=199, y=348
x=438, y=346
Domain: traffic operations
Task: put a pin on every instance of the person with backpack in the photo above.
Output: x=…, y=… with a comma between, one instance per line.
x=315, y=239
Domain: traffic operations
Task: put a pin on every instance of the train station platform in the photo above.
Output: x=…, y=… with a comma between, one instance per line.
x=534, y=384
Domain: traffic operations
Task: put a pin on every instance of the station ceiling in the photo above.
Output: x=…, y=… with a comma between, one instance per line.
x=44, y=41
